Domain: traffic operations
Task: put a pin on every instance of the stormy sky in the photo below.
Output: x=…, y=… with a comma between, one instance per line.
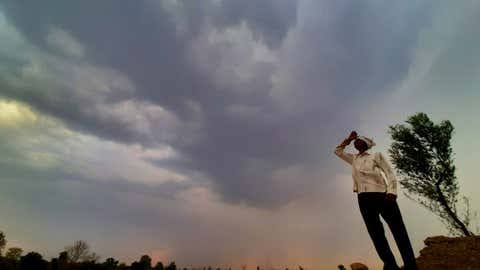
x=203, y=131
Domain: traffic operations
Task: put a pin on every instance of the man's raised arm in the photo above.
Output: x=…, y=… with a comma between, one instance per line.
x=340, y=149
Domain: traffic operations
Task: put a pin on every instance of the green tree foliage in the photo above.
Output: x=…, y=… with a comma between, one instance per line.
x=422, y=155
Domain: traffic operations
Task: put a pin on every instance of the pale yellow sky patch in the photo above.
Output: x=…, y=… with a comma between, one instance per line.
x=15, y=113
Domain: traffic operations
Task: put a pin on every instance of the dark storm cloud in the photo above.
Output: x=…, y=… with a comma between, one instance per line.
x=145, y=46
x=245, y=140
x=73, y=115
x=350, y=51
x=334, y=67
x=139, y=38
x=147, y=49
x=269, y=20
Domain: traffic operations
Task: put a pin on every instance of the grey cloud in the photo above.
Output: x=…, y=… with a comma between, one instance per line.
x=147, y=49
x=333, y=66
x=338, y=59
x=269, y=20
x=17, y=163
x=60, y=100
x=352, y=51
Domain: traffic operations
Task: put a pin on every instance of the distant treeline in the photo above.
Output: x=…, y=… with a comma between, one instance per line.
x=79, y=257
x=75, y=257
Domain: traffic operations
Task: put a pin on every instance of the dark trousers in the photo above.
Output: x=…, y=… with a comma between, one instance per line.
x=372, y=205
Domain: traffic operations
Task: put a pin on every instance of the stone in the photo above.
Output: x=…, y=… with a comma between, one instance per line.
x=358, y=266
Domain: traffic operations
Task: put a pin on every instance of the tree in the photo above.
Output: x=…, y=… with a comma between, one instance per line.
x=122, y=266
x=80, y=252
x=171, y=266
x=33, y=261
x=146, y=260
x=158, y=266
x=54, y=264
x=3, y=242
x=14, y=253
x=422, y=155
x=110, y=263
x=63, y=258
x=145, y=263
x=61, y=262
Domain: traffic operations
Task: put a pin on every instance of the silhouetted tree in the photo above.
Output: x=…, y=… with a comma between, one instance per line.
x=33, y=261
x=422, y=154
x=145, y=263
x=171, y=266
x=63, y=256
x=54, y=264
x=146, y=260
x=62, y=261
x=158, y=266
x=80, y=251
x=110, y=264
x=14, y=253
x=3, y=242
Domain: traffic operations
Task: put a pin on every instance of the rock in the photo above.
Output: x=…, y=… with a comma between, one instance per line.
x=452, y=253
x=445, y=253
x=358, y=266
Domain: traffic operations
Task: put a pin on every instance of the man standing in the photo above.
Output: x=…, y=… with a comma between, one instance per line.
x=377, y=197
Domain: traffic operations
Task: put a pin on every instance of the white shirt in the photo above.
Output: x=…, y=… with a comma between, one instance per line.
x=367, y=171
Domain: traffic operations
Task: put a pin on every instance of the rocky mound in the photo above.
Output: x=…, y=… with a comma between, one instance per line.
x=445, y=253
x=452, y=253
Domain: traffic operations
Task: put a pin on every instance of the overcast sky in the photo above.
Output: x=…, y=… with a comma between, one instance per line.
x=203, y=131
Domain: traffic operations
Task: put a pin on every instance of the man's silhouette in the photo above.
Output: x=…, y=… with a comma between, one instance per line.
x=377, y=197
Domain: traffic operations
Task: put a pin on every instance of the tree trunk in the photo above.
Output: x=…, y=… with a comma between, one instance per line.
x=444, y=203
